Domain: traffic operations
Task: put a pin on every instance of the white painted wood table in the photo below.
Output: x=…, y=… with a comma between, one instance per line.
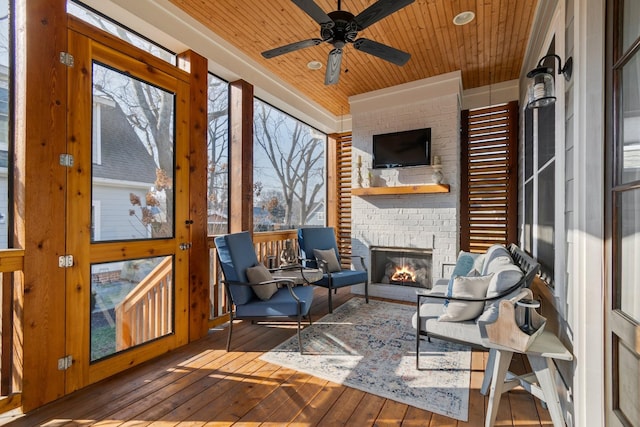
x=540, y=382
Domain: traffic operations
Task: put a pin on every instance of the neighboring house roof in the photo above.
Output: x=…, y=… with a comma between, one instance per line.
x=317, y=208
x=217, y=219
x=124, y=156
x=261, y=215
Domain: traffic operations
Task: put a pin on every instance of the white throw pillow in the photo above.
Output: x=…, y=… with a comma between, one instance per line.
x=258, y=274
x=328, y=256
x=466, y=287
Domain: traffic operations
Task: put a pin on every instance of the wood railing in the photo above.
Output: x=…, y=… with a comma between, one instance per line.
x=11, y=266
x=145, y=313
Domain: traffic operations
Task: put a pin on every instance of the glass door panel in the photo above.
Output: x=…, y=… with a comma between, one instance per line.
x=628, y=221
x=132, y=160
x=623, y=216
x=131, y=304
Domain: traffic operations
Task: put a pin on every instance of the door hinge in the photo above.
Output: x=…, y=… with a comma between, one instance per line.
x=65, y=363
x=65, y=261
x=66, y=58
x=185, y=246
x=66, y=160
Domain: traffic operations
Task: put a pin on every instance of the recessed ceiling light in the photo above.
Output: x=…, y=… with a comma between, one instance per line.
x=314, y=65
x=464, y=18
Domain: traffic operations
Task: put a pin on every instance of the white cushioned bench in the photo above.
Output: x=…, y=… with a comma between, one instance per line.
x=506, y=269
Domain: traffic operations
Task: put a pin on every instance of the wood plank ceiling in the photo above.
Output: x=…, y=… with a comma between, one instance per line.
x=489, y=50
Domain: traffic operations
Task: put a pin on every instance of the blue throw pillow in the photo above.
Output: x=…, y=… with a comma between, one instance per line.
x=464, y=264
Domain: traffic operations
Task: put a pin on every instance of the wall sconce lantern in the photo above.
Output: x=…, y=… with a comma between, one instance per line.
x=541, y=91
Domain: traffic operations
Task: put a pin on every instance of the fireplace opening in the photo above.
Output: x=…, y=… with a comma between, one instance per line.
x=401, y=266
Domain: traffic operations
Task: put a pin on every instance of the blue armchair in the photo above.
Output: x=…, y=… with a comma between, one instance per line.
x=248, y=300
x=318, y=249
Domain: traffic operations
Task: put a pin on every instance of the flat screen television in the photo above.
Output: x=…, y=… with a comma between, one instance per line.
x=398, y=149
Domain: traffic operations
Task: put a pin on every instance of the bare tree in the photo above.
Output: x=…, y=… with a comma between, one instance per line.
x=296, y=159
x=149, y=110
x=217, y=146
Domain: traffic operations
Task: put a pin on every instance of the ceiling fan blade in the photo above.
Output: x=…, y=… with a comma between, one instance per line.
x=379, y=10
x=382, y=51
x=333, y=67
x=313, y=10
x=290, y=47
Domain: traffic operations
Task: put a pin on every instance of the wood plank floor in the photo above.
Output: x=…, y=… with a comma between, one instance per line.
x=202, y=384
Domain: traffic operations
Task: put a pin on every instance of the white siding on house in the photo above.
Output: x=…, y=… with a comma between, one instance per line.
x=115, y=221
x=4, y=208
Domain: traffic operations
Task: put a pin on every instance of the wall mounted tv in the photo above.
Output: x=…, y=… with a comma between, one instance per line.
x=398, y=149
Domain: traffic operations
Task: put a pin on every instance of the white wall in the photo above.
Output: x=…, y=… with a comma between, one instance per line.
x=580, y=298
x=115, y=223
x=426, y=221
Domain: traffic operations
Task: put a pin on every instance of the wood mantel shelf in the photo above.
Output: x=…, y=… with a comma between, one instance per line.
x=402, y=189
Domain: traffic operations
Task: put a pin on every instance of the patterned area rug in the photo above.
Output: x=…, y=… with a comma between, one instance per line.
x=371, y=347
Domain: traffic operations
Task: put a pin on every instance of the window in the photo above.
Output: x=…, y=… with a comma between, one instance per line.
x=89, y=15
x=218, y=152
x=134, y=178
x=542, y=229
x=5, y=114
x=288, y=171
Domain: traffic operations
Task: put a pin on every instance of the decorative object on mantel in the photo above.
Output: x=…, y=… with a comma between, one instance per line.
x=359, y=172
x=437, y=170
x=507, y=330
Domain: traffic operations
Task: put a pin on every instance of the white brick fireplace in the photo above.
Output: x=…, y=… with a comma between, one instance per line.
x=420, y=221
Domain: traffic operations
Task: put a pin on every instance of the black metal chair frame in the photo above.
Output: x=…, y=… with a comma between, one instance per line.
x=527, y=264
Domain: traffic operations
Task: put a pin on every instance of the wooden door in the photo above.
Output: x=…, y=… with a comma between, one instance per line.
x=127, y=207
x=623, y=215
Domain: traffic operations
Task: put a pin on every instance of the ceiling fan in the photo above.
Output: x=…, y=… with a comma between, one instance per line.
x=341, y=27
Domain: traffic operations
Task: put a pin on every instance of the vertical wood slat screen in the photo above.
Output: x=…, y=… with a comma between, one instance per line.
x=343, y=199
x=489, y=177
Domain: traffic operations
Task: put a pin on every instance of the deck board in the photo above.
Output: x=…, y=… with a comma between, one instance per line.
x=204, y=385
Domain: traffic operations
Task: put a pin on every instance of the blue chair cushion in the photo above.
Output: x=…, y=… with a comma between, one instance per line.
x=316, y=238
x=343, y=278
x=236, y=254
x=280, y=304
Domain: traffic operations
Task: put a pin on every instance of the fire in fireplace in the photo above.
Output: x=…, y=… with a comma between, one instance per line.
x=401, y=266
x=403, y=274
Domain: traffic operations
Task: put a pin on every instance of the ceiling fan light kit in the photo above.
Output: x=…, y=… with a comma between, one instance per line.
x=340, y=28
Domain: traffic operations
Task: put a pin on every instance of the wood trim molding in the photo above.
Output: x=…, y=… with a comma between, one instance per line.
x=196, y=66
x=333, y=213
x=241, y=156
x=38, y=182
x=402, y=189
